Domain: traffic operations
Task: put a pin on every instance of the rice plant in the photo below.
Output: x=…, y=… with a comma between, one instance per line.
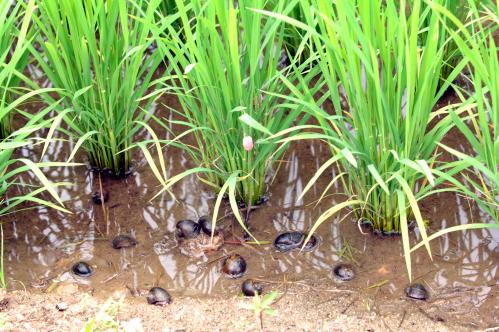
x=11, y=167
x=96, y=52
x=461, y=11
x=11, y=16
x=383, y=82
x=479, y=124
x=296, y=41
x=169, y=8
x=226, y=64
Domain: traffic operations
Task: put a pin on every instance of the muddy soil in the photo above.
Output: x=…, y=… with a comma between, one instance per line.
x=311, y=307
x=42, y=245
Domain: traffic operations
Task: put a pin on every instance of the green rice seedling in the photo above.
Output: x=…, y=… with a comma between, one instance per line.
x=383, y=85
x=262, y=307
x=227, y=65
x=11, y=12
x=106, y=318
x=96, y=52
x=11, y=167
x=480, y=121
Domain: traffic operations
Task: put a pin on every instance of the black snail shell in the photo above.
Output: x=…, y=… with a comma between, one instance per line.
x=96, y=197
x=187, y=229
x=123, y=241
x=312, y=243
x=343, y=272
x=205, y=224
x=234, y=266
x=416, y=291
x=158, y=296
x=289, y=241
x=251, y=287
x=82, y=269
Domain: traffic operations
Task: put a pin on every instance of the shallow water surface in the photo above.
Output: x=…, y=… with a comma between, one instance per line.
x=42, y=244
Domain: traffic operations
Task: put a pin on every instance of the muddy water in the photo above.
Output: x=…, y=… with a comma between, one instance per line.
x=42, y=244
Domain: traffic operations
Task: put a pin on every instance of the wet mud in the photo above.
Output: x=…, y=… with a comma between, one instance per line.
x=42, y=245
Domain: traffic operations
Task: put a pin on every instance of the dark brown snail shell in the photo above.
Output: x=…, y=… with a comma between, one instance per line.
x=312, y=243
x=158, y=296
x=344, y=272
x=205, y=224
x=289, y=241
x=251, y=287
x=234, y=266
x=123, y=241
x=187, y=229
x=417, y=292
x=82, y=269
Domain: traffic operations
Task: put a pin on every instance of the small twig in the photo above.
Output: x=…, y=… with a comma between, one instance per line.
x=52, y=286
x=109, y=278
x=348, y=306
x=134, y=291
x=214, y=260
x=402, y=320
x=239, y=243
x=490, y=329
x=243, y=243
x=424, y=274
x=386, y=325
x=379, y=284
x=427, y=315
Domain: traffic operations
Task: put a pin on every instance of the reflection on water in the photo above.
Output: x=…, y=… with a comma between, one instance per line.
x=43, y=243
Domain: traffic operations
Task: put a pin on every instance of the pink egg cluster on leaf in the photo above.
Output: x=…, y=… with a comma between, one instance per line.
x=248, y=143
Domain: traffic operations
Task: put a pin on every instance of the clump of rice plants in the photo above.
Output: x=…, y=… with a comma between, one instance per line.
x=479, y=120
x=226, y=64
x=96, y=52
x=11, y=167
x=451, y=54
x=383, y=82
x=11, y=17
x=461, y=10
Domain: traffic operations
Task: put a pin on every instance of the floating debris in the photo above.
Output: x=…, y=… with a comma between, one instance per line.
x=201, y=245
x=234, y=266
x=187, y=229
x=97, y=197
x=123, y=241
x=251, y=287
x=82, y=269
x=344, y=272
x=158, y=296
x=416, y=291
